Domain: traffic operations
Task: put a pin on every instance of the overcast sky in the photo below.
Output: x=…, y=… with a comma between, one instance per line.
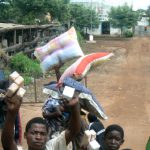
x=137, y=4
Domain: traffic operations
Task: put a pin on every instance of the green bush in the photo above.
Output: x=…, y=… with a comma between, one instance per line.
x=21, y=63
x=128, y=34
x=27, y=80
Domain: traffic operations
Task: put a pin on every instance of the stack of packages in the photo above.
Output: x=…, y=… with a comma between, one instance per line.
x=60, y=50
x=17, y=82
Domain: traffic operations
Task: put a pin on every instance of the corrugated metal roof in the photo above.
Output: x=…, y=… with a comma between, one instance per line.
x=11, y=26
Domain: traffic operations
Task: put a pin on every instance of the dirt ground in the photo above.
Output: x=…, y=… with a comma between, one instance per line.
x=122, y=86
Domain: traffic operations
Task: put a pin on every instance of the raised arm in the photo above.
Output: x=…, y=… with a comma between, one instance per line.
x=7, y=137
x=75, y=121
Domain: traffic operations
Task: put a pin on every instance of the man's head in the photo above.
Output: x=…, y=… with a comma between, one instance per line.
x=36, y=133
x=113, y=137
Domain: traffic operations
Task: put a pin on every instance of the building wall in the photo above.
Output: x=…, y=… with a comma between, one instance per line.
x=101, y=9
x=143, y=21
x=115, y=31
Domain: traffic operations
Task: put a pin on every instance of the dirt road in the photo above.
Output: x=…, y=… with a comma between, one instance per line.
x=122, y=86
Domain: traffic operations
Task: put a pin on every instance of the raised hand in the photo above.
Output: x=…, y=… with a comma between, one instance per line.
x=13, y=103
x=74, y=101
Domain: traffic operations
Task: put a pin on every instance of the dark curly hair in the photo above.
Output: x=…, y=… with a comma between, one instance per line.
x=38, y=120
x=116, y=128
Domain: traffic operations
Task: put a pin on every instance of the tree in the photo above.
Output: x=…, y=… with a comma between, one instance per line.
x=6, y=10
x=28, y=10
x=123, y=17
x=59, y=9
x=82, y=16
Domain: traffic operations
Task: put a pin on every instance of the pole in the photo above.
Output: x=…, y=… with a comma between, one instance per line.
x=85, y=81
x=35, y=94
x=91, y=17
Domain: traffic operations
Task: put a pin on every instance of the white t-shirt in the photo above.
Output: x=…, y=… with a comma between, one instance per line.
x=58, y=143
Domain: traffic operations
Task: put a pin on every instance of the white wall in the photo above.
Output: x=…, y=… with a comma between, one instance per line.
x=143, y=21
x=115, y=31
x=98, y=31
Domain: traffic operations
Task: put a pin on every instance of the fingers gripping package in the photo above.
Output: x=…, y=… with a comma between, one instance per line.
x=59, y=50
x=68, y=92
x=89, y=140
x=80, y=68
x=16, y=84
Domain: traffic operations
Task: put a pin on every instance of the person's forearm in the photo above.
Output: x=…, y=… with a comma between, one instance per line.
x=7, y=136
x=75, y=122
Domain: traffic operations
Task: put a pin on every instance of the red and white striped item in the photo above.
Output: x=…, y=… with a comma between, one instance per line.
x=80, y=68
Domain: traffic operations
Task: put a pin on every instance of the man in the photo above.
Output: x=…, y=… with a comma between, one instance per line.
x=4, y=84
x=36, y=132
x=113, y=137
x=98, y=127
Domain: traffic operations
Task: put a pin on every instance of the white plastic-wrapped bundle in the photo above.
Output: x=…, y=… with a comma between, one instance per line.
x=59, y=50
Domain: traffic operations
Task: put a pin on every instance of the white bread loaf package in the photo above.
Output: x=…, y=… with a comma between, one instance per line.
x=17, y=81
x=16, y=78
x=21, y=92
x=12, y=89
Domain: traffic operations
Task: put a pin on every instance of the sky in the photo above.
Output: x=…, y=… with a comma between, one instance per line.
x=137, y=4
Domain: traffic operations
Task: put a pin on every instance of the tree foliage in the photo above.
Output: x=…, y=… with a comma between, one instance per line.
x=30, y=10
x=6, y=11
x=123, y=17
x=26, y=11
x=81, y=16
